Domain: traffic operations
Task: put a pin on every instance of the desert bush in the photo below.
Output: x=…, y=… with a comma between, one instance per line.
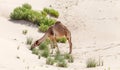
x=43, y=28
x=50, y=61
x=44, y=13
x=43, y=46
x=46, y=10
x=36, y=51
x=61, y=40
x=17, y=14
x=29, y=40
x=91, y=63
x=45, y=23
x=47, y=41
x=45, y=53
x=60, y=60
x=61, y=64
x=71, y=59
x=37, y=17
x=67, y=55
x=58, y=57
x=100, y=62
x=24, y=32
x=27, y=6
x=52, y=12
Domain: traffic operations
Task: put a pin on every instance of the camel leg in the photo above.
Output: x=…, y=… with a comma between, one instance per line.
x=70, y=43
x=51, y=44
x=55, y=44
x=52, y=47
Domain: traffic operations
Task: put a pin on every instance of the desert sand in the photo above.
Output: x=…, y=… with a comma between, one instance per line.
x=94, y=25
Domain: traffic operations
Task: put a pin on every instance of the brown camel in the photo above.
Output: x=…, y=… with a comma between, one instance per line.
x=56, y=30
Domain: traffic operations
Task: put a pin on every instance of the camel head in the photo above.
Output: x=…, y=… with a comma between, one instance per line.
x=34, y=44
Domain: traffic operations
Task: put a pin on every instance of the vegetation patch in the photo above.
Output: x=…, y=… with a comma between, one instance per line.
x=91, y=62
x=29, y=41
x=50, y=61
x=62, y=40
x=39, y=18
x=24, y=32
x=57, y=59
x=51, y=12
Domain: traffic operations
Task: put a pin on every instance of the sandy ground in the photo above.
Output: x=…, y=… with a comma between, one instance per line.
x=95, y=28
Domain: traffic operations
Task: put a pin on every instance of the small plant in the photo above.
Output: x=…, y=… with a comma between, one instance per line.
x=60, y=60
x=47, y=41
x=58, y=56
x=36, y=51
x=45, y=53
x=43, y=13
x=17, y=14
x=43, y=46
x=61, y=40
x=43, y=27
x=100, y=62
x=91, y=63
x=27, y=6
x=50, y=61
x=61, y=64
x=51, y=12
x=67, y=56
x=24, y=32
x=71, y=59
x=29, y=41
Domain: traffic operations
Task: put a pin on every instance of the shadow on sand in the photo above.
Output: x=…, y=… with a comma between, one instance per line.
x=23, y=22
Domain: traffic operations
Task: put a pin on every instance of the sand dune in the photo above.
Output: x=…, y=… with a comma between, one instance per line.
x=95, y=28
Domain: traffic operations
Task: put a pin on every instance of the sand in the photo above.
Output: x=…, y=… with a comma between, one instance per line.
x=94, y=25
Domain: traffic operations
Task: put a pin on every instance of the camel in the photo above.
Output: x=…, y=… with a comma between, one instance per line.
x=54, y=31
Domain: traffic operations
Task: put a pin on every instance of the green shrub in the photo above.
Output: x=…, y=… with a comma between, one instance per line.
x=36, y=51
x=44, y=13
x=46, y=10
x=59, y=57
x=67, y=56
x=43, y=46
x=24, y=32
x=40, y=18
x=33, y=16
x=71, y=59
x=47, y=21
x=61, y=64
x=29, y=41
x=61, y=40
x=43, y=28
x=91, y=63
x=47, y=41
x=50, y=61
x=17, y=14
x=27, y=6
x=45, y=53
x=52, y=12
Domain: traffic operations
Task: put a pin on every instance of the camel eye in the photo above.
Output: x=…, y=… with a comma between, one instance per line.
x=36, y=42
